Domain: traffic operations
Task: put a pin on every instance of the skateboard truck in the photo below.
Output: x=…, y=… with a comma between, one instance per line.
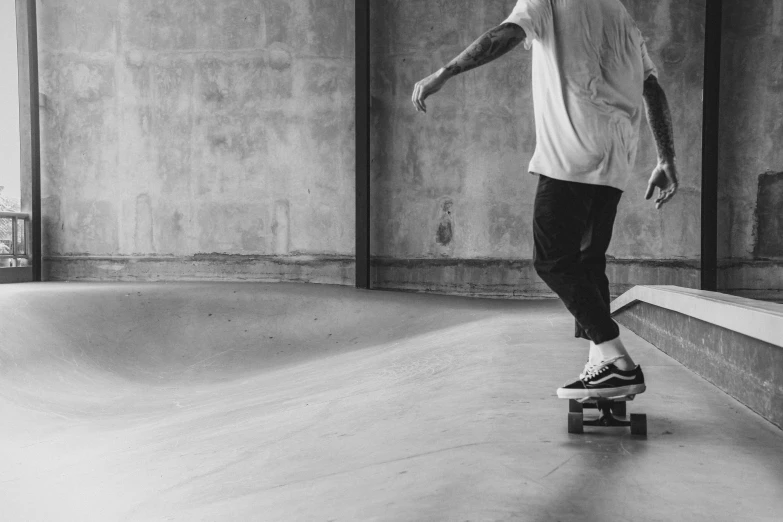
x=608, y=407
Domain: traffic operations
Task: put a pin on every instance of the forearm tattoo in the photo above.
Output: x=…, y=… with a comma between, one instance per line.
x=491, y=45
x=660, y=118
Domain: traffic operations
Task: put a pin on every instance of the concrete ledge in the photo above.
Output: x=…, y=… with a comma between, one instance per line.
x=512, y=278
x=735, y=343
x=757, y=319
x=324, y=269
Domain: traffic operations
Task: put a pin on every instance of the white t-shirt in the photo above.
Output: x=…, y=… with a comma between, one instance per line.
x=589, y=67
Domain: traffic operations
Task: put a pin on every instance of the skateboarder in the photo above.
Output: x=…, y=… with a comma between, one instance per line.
x=592, y=77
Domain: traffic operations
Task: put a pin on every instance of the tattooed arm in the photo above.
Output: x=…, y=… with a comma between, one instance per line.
x=491, y=45
x=660, y=119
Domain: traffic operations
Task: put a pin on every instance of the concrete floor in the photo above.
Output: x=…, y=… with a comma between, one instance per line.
x=300, y=402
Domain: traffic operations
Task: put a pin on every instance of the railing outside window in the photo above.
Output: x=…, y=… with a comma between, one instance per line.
x=14, y=240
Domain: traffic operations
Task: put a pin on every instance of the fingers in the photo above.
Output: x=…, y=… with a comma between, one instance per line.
x=665, y=195
x=664, y=177
x=650, y=190
x=418, y=98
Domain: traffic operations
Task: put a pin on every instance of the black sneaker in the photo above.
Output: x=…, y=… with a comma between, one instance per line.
x=604, y=380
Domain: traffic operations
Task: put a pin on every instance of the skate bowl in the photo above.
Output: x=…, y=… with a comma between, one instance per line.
x=288, y=402
x=125, y=401
x=66, y=343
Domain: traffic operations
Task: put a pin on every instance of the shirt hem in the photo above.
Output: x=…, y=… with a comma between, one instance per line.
x=577, y=178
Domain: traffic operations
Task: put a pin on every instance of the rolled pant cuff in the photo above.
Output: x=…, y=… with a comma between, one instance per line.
x=602, y=335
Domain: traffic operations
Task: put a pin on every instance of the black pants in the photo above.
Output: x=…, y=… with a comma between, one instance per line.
x=572, y=229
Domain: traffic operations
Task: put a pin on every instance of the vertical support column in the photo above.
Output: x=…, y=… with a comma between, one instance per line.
x=29, y=126
x=710, y=145
x=35, y=138
x=363, y=144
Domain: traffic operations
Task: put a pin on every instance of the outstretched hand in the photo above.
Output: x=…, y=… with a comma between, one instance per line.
x=664, y=177
x=427, y=87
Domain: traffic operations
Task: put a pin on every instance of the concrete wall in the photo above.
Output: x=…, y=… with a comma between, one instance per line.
x=190, y=139
x=175, y=129
x=751, y=167
x=452, y=201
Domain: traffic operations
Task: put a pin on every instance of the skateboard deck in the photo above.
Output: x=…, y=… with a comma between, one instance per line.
x=608, y=407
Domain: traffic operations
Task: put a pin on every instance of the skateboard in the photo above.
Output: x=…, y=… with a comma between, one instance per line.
x=608, y=408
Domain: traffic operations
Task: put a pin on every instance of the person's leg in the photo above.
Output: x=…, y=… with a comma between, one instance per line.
x=593, y=258
x=561, y=216
x=595, y=243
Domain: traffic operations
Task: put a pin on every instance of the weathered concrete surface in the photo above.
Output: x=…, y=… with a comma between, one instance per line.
x=751, y=198
x=504, y=278
x=288, y=403
x=746, y=368
x=769, y=216
x=453, y=184
x=181, y=127
x=173, y=129
x=754, y=278
x=320, y=269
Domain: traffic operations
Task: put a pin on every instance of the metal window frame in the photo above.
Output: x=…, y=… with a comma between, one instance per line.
x=30, y=149
x=15, y=218
x=16, y=273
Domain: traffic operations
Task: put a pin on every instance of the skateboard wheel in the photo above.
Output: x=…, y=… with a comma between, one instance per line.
x=639, y=424
x=618, y=408
x=575, y=423
x=575, y=406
